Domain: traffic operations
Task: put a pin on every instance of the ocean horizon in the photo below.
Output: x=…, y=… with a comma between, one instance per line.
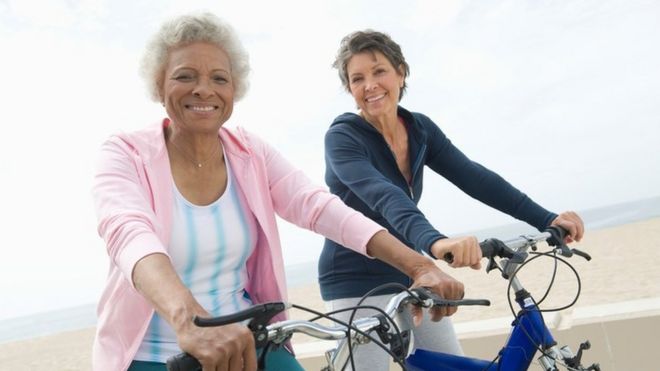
x=299, y=274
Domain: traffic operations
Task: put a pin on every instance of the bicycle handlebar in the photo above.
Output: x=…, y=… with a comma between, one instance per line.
x=280, y=331
x=512, y=253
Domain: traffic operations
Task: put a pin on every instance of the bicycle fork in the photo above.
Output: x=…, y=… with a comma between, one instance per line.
x=531, y=334
x=549, y=360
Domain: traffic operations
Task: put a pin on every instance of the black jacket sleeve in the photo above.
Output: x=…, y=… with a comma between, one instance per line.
x=481, y=183
x=349, y=159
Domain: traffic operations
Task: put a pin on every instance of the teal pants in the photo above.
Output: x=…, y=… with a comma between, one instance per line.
x=276, y=360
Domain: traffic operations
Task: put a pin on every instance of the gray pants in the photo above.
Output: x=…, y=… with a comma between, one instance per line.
x=434, y=336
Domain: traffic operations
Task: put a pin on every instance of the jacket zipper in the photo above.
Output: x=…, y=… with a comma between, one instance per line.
x=416, y=165
x=410, y=190
x=415, y=168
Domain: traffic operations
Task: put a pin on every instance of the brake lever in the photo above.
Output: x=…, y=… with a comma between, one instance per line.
x=492, y=248
x=564, y=250
x=491, y=265
x=582, y=254
x=462, y=302
x=258, y=324
x=425, y=294
x=259, y=316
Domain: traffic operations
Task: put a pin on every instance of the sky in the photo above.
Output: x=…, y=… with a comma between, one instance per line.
x=561, y=98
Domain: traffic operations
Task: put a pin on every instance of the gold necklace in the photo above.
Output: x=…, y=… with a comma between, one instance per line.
x=197, y=164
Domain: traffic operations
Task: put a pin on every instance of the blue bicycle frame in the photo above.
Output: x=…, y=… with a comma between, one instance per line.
x=529, y=333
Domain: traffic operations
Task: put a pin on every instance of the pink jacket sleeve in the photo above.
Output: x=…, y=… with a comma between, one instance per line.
x=300, y=201
x=124, y=206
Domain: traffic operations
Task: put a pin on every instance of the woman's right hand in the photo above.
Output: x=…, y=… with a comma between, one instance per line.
x=443, y=285
x=465, y=251
x=225, y=348
x=571, y=222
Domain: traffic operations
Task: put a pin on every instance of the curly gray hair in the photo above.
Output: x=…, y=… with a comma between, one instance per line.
x=187, y=29
x=369, y=41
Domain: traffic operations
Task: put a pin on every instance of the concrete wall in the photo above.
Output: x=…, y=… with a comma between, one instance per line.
x=623, y=336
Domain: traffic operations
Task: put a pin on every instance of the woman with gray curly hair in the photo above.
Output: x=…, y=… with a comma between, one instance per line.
x=187, y=209
x=375, y=162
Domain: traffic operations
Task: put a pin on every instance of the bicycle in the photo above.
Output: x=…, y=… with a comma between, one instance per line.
x=391, y=328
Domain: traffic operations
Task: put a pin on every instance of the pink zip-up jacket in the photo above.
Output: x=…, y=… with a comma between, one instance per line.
x=133, y=197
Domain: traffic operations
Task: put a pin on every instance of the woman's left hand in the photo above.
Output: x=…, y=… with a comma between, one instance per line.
x=422, y=270
x=443, y=285
x=570, y=221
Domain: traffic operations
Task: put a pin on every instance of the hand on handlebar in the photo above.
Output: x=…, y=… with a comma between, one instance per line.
x=572, y=223
x=228, y=347
x=465, y=251
x=443, y=285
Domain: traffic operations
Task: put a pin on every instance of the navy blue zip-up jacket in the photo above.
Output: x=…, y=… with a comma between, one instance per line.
x=362, y=171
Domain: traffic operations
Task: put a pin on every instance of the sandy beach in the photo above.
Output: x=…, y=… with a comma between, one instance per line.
x=624, y=267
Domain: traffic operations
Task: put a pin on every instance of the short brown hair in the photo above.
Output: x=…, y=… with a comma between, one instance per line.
x=371, y=41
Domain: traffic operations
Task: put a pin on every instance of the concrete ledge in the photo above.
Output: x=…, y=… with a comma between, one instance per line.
x=565, y=319
x=622, y=335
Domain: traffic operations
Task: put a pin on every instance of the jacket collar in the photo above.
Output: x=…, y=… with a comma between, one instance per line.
x=234, y=141
x=415, y=128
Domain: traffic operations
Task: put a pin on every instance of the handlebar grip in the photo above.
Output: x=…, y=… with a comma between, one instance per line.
x=183, y=362
x=557, y=235
x=489, y=248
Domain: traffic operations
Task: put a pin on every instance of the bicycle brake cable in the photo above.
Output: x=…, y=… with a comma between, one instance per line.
x=348, y=326
x=350, y=321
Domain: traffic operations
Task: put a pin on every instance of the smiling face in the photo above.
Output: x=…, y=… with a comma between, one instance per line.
x=197, y=88
x=374, y=83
